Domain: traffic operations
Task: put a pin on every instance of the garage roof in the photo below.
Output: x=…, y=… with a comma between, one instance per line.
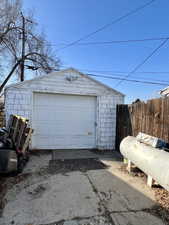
x=20, y=84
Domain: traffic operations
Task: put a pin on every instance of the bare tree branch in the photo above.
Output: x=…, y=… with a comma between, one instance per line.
x=37, y=51
x=9, y=76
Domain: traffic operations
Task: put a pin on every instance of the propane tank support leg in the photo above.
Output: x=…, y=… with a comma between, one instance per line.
x=129, y=165
x=149, y=181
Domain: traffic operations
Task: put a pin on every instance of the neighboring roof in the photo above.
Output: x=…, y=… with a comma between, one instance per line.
x=165, y=91
x=19, y=84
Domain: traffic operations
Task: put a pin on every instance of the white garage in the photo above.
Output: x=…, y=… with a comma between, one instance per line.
x=67, y=110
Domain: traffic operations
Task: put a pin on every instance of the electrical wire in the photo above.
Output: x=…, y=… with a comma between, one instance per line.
x=122, y=79
x=140, y=78
x=118, y=71
x=143, y=62
x=118, y=41
x=123, y=72
x=121, y=75
x=108, y=24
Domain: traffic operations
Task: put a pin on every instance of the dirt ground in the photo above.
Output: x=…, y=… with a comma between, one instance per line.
x=80, y=192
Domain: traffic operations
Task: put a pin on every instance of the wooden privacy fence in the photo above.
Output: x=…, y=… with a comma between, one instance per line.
x=151, y=118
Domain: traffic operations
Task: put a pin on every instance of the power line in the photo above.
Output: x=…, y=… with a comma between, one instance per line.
x=153, y=72
x=123, y=76
x=122, y=79
x=115, y=41
x=119, y=71
x=119, y=41
x=143, y=62
x=140, y=78
x=109, y=24
x=123, y=72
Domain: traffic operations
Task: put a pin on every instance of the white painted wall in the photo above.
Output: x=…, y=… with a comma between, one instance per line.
x=19, y=100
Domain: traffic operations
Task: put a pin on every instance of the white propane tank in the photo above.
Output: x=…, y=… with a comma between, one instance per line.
x=152, y=161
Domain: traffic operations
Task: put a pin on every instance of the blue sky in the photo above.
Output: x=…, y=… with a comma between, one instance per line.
x=65, y=21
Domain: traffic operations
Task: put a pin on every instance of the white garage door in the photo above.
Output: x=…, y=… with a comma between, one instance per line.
x=64, y=121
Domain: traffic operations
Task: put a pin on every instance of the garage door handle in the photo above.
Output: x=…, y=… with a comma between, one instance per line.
x=95, y=123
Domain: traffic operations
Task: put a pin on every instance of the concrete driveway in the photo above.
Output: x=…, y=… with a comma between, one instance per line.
x=85, y=197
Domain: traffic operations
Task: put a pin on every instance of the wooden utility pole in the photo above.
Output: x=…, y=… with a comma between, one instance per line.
x=22, y=66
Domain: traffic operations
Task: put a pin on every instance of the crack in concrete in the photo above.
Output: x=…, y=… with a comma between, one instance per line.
x=102, y=203
x=61, y=222
x=106, y=214
x=133, y=210
x=104, y=209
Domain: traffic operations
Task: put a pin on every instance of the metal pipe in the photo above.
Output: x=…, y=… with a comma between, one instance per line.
x=152, y=161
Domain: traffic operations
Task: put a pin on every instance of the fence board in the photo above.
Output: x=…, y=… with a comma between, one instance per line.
x=151, y=118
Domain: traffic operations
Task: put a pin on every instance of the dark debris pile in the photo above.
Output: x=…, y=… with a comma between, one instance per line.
x=68, y=165
x=162, y=208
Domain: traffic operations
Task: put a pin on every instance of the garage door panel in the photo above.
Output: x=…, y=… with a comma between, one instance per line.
x=59, y=116
x=61, y=98
x=64, y=121
x=54, y=113
x=72, y=129
x=70, y=108
x=50, y=143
